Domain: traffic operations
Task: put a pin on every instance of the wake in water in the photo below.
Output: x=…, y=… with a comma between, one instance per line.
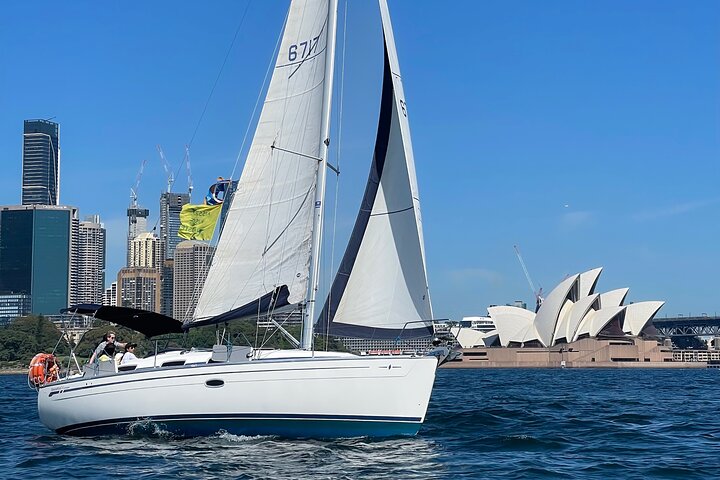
x=149, y=428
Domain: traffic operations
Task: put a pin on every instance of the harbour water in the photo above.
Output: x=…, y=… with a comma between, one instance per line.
x=487, y=423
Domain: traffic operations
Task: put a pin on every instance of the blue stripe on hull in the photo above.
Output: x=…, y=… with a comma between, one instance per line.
x=283, y=427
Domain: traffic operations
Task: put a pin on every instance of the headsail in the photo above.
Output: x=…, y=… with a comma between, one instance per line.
x=264, y=248
x=381, y=289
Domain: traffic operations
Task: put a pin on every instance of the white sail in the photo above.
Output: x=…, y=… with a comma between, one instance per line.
x=265, y=244
x=381, y=288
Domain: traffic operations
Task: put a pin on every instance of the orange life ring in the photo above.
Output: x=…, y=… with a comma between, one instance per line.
x=43, y=369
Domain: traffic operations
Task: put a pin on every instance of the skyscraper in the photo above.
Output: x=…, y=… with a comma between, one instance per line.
x=36, y=245
x=41, y=163
x=110, y=297
x=170, y=205
x=145, y=251
x=139, y=287
x=137, y=224
x=192, y=261
x=90, y=284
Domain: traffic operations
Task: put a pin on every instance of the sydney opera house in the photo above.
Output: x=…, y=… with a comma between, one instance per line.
x=573, y=326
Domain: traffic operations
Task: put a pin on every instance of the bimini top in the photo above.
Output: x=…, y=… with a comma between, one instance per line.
x=149, y=324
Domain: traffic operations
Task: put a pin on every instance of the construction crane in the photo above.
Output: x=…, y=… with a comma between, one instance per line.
x=134, y=188
x=536, y=293
x=187, y=169
x=168, y=170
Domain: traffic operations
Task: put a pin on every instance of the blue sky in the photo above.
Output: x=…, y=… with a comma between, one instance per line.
x=587, y=133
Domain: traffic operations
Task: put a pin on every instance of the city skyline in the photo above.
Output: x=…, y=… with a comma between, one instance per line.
x=587, y=139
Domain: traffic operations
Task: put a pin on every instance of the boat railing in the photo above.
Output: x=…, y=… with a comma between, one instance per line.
x=440, y=336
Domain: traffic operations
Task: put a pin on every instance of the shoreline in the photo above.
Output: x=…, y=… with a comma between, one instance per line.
x=576, y=365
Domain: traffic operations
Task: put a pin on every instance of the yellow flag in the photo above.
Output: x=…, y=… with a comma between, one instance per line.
x=197, y=222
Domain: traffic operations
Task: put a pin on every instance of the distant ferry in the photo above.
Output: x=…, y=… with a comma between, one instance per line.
x=480, y=324
x=475, y=332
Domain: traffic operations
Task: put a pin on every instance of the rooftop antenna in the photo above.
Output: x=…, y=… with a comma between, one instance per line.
x=536, y=293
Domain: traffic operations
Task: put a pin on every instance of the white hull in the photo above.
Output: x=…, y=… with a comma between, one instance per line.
x=329, y=396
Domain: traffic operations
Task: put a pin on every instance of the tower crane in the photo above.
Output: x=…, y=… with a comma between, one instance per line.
x=166, y=166
x=134, y=188
x=536, y=293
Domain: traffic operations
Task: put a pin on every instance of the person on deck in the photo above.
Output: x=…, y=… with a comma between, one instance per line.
x=129, y=355
x=106, y=349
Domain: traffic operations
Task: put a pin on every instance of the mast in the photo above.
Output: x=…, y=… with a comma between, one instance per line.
x=306, y=342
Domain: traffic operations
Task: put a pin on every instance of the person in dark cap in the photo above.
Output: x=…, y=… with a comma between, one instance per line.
x=129, y=355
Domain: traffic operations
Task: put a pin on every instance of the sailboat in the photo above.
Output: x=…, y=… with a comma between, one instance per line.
x=268, y=260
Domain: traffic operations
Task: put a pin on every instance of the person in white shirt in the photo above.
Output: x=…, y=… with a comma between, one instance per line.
x=129, y=355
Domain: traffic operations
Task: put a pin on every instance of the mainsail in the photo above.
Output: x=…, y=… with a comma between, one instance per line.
x=381, y=289
x=262, y=258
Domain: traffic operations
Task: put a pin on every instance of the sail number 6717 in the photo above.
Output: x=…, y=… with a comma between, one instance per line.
x=302, y=49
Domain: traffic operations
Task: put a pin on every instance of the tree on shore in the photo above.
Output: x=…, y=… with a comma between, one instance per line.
x=24, y=337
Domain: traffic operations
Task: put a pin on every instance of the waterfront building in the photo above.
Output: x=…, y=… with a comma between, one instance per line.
x=139, y=287
x=573, y=311
x=72, y=326
x=110, y=297
x=90, y=275
x=696, y=355
x=584, y=353
x=74, y=259
x=41, y=163
x=37, y=257
x=12, y=306
x=395, y=346
x=192, y=261
x=373, y=346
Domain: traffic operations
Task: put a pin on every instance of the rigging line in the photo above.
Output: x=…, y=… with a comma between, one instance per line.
x=207, y=102
x=217, y=79
x=260, y=94
x=337, y=162
x=279, y=235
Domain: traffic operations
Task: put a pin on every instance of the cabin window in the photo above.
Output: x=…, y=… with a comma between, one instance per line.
x=174, y=363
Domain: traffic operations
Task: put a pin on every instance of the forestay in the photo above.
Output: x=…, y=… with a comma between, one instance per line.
x=381, y=288
x=265, y=243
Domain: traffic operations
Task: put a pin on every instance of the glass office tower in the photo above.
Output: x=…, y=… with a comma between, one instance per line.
x=36, y=254
x=41, y=163
x=171, y=204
